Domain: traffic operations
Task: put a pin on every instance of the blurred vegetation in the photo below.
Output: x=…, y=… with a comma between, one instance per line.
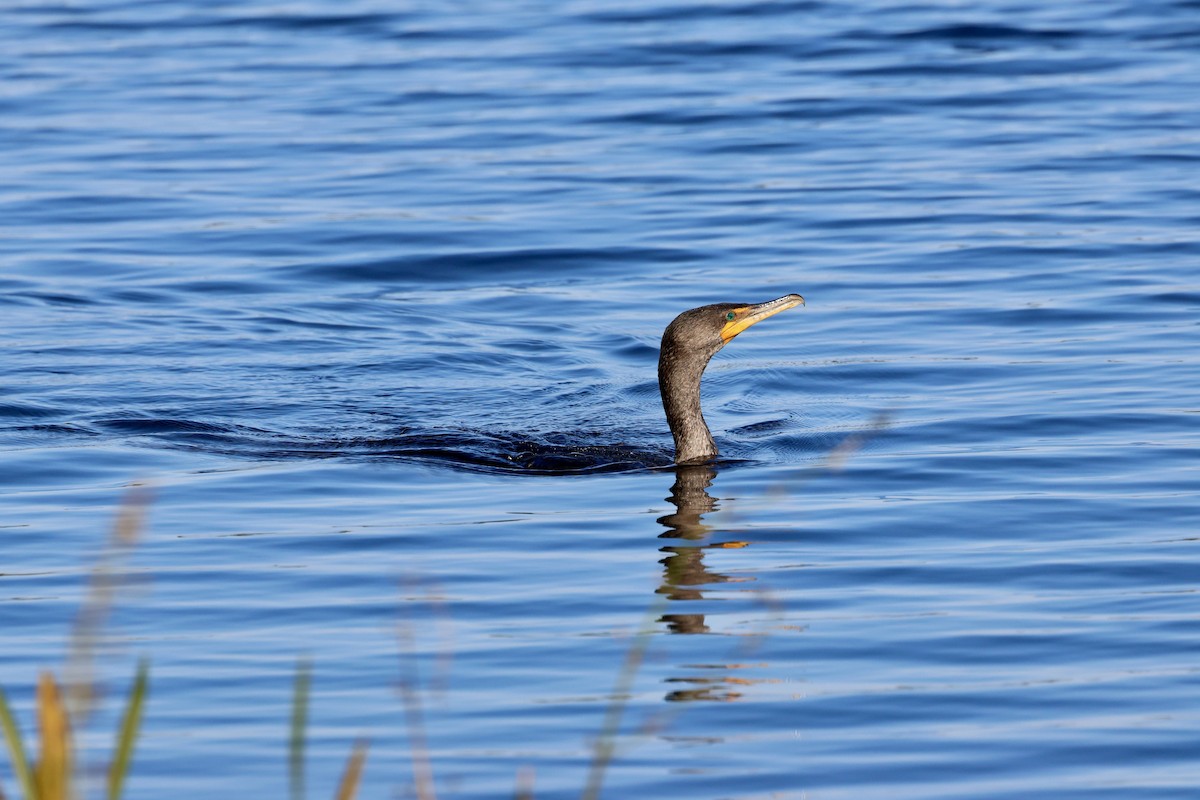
x=61, y=707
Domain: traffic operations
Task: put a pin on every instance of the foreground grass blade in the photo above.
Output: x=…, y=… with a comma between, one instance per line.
x=524, y=788
x=16, y=749
x=103, y=587
x=300, y=691
x=52, y=775
x=128, y=732
x=606, y=745
x=354, y=767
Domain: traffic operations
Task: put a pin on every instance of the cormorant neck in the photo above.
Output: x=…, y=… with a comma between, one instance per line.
x=679, y=373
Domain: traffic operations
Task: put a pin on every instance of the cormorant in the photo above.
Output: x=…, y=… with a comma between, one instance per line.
x=688, y=343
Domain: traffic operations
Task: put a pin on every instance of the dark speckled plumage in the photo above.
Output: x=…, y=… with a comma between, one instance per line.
x=688, y=343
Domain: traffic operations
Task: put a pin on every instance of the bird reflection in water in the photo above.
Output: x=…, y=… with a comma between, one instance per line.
x=685, y=573
x=685, y=569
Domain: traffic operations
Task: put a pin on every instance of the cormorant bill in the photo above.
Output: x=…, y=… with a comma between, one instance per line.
x=688, y=343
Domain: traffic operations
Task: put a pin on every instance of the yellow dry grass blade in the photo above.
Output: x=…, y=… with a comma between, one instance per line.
x=348, y=788
x=52, y=775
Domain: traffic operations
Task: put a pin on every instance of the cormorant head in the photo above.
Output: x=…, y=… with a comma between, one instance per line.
x=705, y=330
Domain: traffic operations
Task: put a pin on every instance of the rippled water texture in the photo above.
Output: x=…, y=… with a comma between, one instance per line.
x=371, y=294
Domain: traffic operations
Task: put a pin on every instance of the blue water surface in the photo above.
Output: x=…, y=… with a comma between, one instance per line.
x=369, y=295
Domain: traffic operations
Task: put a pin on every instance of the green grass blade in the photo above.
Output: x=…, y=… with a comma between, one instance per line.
x=128, y=732
x=16, y=749
x=300, y=692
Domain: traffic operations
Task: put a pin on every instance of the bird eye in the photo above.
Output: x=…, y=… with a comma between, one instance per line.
x=730, y=316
